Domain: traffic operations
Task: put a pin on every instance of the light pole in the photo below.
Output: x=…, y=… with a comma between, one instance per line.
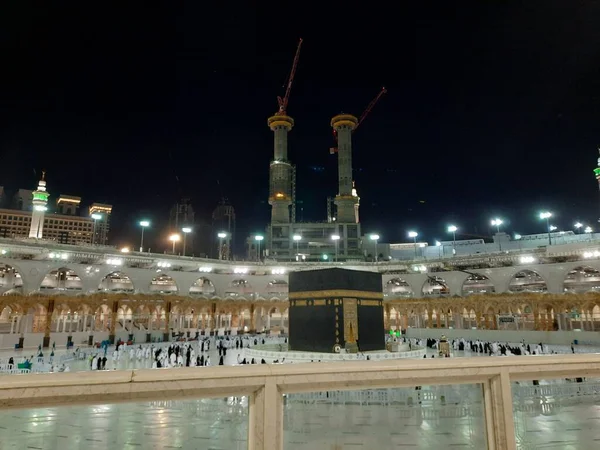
x=185, y=230
x=335, y=238
x=414, y=234
x=95, y=217
x=258, y=239
x=453, y=229
x=297, y=238
x=143, y=224
x=589, y=231
x=222, y=235
x=578, y=226
x=546, y=215
x=497, y=223
x=174, y=238
x=374, y=237
x=439, y=245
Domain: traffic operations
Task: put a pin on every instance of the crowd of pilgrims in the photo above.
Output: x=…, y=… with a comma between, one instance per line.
x=180, y=354
x=492, y=348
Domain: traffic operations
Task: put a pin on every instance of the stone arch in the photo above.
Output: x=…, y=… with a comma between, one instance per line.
x=527, y=280
x=10, y=279
x=239, y=287
x=435, y=286
x=582, y=279
x=477, y=283
x=397, y=288
x=163, y=284
x=203, y=287
x=62, y=279
x=277, y=288
x=116, y=281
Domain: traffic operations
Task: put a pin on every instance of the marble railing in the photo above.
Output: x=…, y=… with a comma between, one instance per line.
x=273, y=353
x=265, y=386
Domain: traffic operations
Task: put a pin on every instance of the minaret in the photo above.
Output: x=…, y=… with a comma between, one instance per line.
x=280, y=181
x=346, y=200
x=40, y=202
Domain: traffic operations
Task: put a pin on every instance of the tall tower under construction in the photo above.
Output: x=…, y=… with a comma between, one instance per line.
x=280, y=173
x=346, y=199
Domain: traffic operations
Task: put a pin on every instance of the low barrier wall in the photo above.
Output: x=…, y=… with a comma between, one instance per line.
x=271, y=354
x=530, y=337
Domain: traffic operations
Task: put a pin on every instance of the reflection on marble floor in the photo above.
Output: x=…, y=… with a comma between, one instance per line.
x=191, y=424
x=433, y=417
x=558, y=416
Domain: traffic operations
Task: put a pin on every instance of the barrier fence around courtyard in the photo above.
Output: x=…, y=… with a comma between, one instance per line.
x=269, y=387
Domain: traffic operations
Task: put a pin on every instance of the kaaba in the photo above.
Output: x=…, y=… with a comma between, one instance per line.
x=333, y=309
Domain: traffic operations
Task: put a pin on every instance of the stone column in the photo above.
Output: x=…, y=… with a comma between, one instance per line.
x=49, y=311
x=166, y=334
x=113, y=322
x=252, y=320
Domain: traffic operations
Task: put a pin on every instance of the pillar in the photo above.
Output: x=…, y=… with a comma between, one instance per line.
x=113, y=322
x=166, y=332
x=252, y=320
x=49, y=311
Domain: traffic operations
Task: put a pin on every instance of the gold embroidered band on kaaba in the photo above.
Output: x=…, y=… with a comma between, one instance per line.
x=335, y=293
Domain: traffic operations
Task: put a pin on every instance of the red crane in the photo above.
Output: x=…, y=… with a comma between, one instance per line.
x=283, y=102
x=363, y=116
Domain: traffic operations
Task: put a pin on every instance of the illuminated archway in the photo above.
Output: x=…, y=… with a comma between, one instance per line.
x=477, y=283
x=527, y=281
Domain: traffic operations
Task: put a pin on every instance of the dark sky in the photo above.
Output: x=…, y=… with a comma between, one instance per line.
x=492, y=109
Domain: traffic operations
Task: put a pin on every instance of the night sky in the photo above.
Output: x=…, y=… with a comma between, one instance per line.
x=492, y=110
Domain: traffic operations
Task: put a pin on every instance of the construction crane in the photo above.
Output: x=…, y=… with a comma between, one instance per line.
x=283, y=102
x=363, y=116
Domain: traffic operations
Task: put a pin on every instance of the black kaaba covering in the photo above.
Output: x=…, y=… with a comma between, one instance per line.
x=322, y=304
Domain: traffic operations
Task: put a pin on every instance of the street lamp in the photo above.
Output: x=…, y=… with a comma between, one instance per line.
x=440, y=246
x=374, y=237
x=335, y=238
x=174, y=238
x=258, y=239
x=588, y=230
x=185, y=230
x=497, y=223
x=222, y=235
x=95, y=217
x=546, y=215
x=453, y=229
x=143, y=224
x=297, y=238
x=578, y=225
x=414, y=234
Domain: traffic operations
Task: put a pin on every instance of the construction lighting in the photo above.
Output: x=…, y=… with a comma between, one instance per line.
x=588, y=230
x=144, y=223
x=412, y=234
x=222, y=235
x=186, y=229
x=174, y=238
x=578, y=225
x=452, y=229
x=258, y=238
x=517, y=237
x=545, y=215
x=297, y=237
x=438, y=244
x=97, y=216
x=335, y=237
x=552, y=228
x=125, y=250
